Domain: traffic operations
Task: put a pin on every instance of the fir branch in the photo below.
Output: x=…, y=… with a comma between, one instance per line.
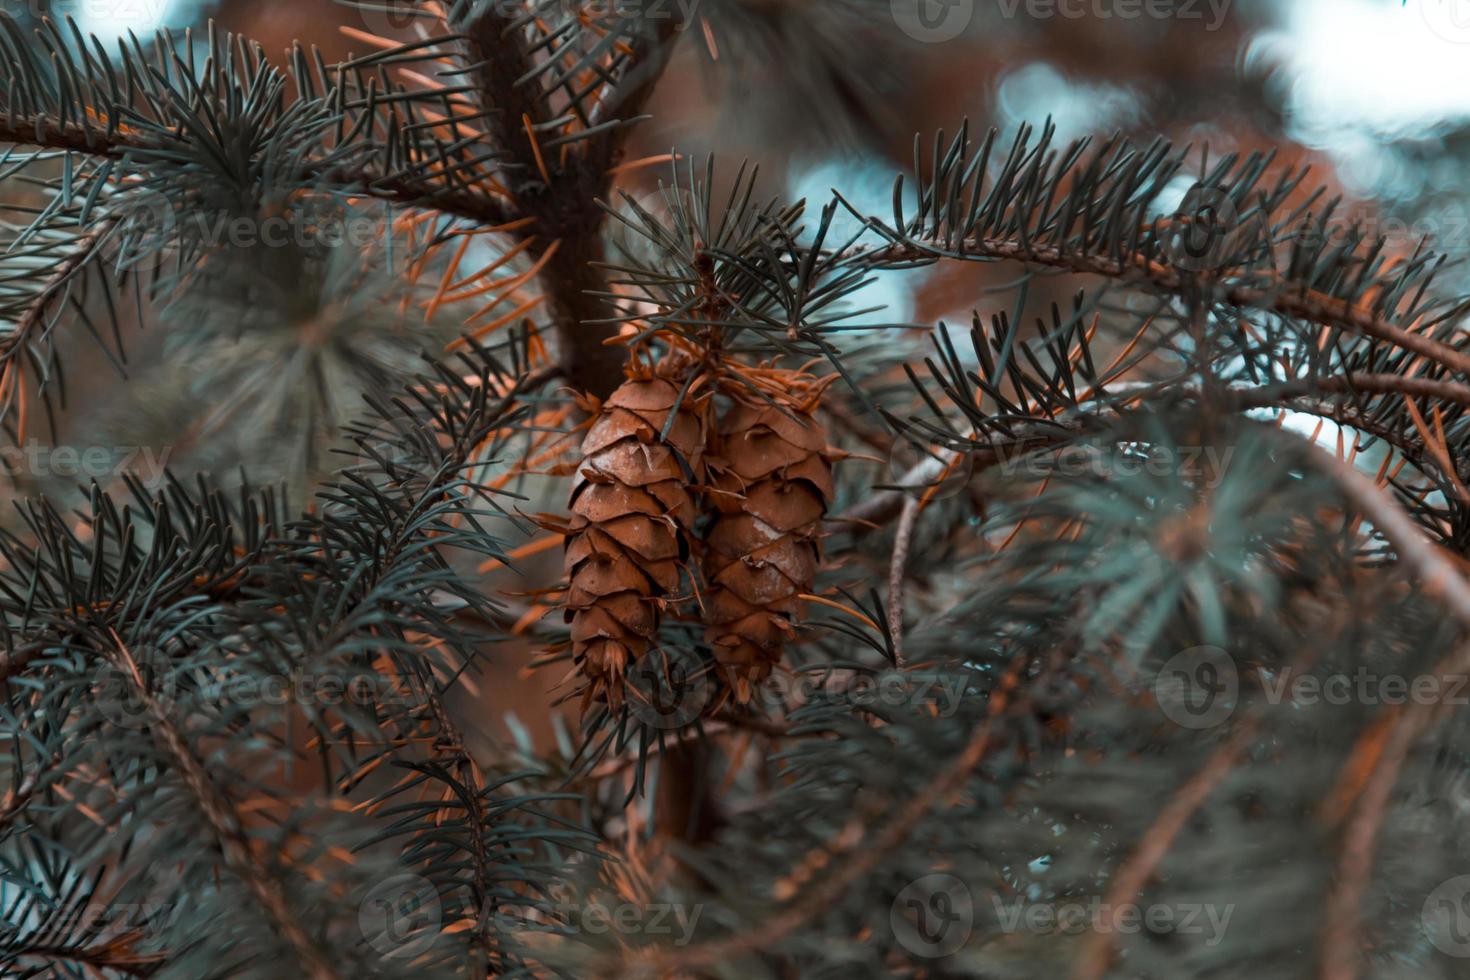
x=115, y=954
x=820, y=897
x=902, y=541
x=500, y=63
x=1129, y=880
x=224, y=821
x=651, y=51
x=1438, y=577
x=1279, y=295
x=562, y=199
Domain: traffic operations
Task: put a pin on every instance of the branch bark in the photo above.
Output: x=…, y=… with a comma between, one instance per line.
x=564, y=200
x=401, y=190
x=1282, y=297
x=883, y=506
x=1440, y=578
x=223, y=821
x=863, y=858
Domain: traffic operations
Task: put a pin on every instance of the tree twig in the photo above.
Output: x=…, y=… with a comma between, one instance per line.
x=562, y=199
x=395, y=188
x=902, y=539
x=1439, y=578
x=1281, y=297
x=1155, y=844
x=820, y=897
x=884, y=505
x=220, y=816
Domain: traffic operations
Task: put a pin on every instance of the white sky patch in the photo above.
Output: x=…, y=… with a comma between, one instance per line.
x=1387, y=65
x=1304, y=425
x=867, y=184
x=1033, y=92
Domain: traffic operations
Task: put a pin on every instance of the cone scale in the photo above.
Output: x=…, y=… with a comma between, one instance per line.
x=770, y=487
x=632, y=506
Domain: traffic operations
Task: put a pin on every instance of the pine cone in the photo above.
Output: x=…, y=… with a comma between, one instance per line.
x=771, y=488
x=627, y=540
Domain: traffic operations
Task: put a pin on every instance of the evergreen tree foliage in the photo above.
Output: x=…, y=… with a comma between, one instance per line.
x=883, y=644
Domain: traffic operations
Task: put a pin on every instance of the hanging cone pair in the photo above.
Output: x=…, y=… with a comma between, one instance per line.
x=632, y=506
x=770, y=487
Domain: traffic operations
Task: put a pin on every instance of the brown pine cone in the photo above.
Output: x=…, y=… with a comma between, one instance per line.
x=771, y=488
x=632, y=507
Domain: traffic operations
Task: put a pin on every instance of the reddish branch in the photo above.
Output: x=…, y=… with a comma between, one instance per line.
x=862, y=858
x=1282, y=297
x=883, y=506
x=908, y=520
x=223, y=821
x=1438, y=577
x=116, y=955
x=398, y=189
x=564, y=199
x=1134, y=875
x=1341, y=956
x=14, y=661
